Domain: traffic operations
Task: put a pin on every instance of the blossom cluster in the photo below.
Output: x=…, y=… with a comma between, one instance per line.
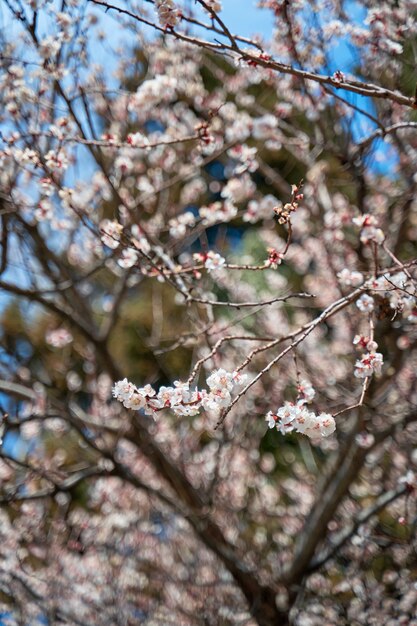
x=350, y=278
x=398, y=289
x=168, y=13
x=180, y=398
x=111, y=181
x=295, y=416
x=370, y=363
x=369, y=229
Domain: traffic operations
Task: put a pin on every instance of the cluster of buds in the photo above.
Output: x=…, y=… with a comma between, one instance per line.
x=204, y=133
x=261, y=57
x=283, y=212
x=109, y=138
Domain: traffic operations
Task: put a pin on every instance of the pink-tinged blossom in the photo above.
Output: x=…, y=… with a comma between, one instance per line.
x=262, y=209
x=246, y=157
x=182, y=400
x=271, y=419
x=189, y=410
x=327, y=424
x=178, y=225
x=44, y=210
x=214, y=5
x=219, y=380
x=274, y=258
x=139, y=240
x=123, y=164
x=59, y=338
x=239, y=189
x=217, y=212
x=365, y=342
x=110, y=233
x=217, y=399
x=369, y=229
x=46, y=186
x=370, y=363
x=123, y=390
x=350, y=278
x=365, y=303
x=49, y=47
x=56, y=160
x=338, y=77
x=295, y=417
x=27, y=156
x=148, y=391
x=214, y=261
x=168, y=13
x=239, y=379
x=136, y=401
x=370, y=233
x=166, y=397
x=306, y=391
x=377, y=284
x=365, y=440
x=239, y=128
x=137, y=140
x=365, y=220
x=286, y=415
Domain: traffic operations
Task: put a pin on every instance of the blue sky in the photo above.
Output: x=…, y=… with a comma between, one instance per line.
x=244, y=16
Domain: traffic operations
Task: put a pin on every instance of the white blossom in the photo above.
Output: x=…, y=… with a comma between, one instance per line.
x=137, y=140
x=217, y=212
x=271, y=419
x=370, y=233
x=296, y=417
x=123, y=390
x=214, y=261
x=128, y=258
x=365, y=303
